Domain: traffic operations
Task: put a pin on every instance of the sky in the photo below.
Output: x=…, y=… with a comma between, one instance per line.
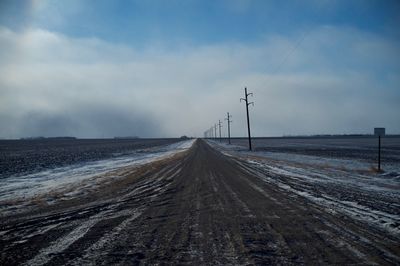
x=155, y=68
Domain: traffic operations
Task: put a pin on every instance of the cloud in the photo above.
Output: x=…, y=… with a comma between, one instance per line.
x=101, y=121
x=338, y=80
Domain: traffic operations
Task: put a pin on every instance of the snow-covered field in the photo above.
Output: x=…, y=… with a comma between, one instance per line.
x=342, y=186
x=65, y=182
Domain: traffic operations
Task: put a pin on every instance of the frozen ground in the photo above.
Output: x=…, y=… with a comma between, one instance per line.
x=352, y=149
x=22, y=157
x=345, y=186
x=61, y=183
x=201, y=207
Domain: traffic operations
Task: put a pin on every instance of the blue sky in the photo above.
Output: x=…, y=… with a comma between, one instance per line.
x=316, y=67
x=198, y=22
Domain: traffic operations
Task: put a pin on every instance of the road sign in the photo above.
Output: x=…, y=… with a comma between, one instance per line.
x=379, y=131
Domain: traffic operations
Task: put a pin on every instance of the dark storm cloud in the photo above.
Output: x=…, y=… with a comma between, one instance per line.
x=52, y=85
x=99, y=121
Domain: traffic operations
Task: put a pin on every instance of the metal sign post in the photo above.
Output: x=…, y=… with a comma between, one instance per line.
x=380, y=132
x=379, y=154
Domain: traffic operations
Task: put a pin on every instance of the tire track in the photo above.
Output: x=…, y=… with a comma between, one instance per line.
x=206, y=208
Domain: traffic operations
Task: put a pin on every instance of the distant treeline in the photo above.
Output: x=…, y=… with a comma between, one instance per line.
x=36, y=138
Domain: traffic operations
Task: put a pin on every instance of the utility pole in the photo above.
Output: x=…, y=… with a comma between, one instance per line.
x=220, y=125
x=228, y=118
x=215, y=130
x=246, y=100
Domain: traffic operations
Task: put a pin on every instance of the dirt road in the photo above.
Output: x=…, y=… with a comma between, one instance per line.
x=200, y=207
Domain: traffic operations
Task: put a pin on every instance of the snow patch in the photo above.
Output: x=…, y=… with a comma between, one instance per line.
x=48, y=186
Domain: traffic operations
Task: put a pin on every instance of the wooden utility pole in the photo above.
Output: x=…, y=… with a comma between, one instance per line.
x=228, y=118
x=219, y=125
x=246, y=100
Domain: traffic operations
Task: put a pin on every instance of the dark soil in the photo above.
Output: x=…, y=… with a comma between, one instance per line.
x=198, y=208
